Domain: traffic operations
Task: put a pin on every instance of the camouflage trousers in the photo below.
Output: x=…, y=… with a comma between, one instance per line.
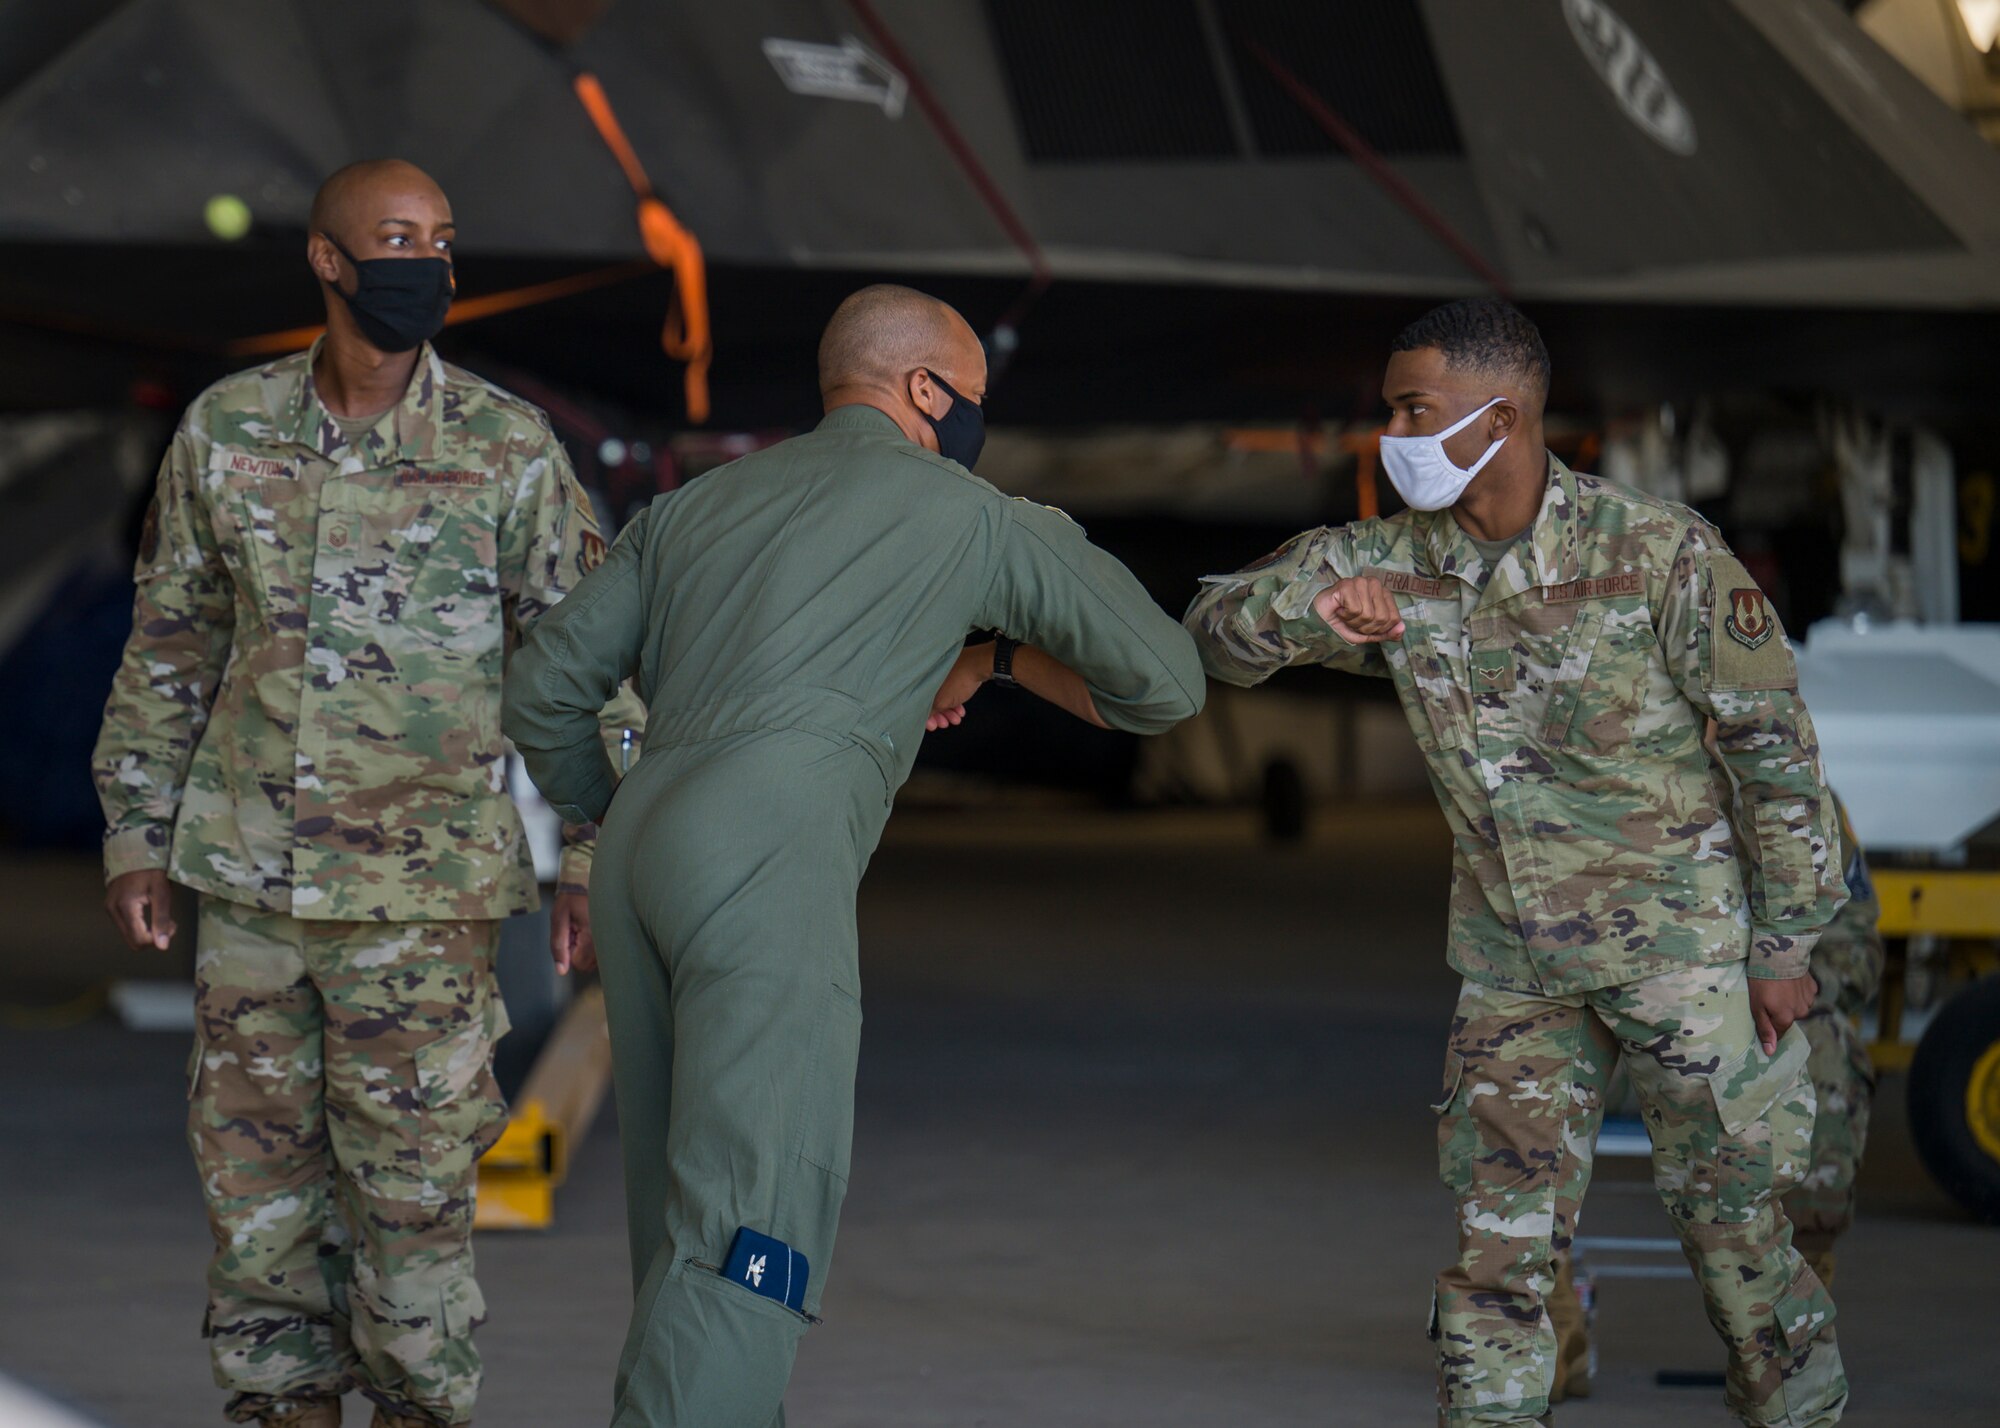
x=340, y=1092
x=1522, y=1100
x=1821, y=1205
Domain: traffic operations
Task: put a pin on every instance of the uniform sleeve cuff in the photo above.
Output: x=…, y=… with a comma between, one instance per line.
x=135, y=850
x=1779, y=956
x=573, y=872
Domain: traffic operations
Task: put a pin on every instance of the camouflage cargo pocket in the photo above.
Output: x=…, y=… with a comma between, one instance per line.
x=1804, y=1311
x=462, y=1108
x=1603, y=684
x=1457, y=1136
x=1765, y=1107
x=442, y=585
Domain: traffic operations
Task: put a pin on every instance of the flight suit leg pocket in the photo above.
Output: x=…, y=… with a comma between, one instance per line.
x=827, y=1137
x=1765, y=1107
x=810, y=1217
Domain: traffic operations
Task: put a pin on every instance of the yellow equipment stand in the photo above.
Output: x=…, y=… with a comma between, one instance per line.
x=552, y=1114
x=1953, y=903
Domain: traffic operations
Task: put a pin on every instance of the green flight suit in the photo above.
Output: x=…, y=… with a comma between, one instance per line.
x=1614, y=889
x=787, y=620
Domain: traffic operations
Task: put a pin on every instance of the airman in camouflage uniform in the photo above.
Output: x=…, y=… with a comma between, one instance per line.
x=306, y=730
x=1603, y=899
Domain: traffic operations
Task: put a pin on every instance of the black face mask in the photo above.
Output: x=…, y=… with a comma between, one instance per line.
x=961, y=431
x=397, y=302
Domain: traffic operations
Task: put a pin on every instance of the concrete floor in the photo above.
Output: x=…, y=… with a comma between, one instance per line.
x=1142, y=1139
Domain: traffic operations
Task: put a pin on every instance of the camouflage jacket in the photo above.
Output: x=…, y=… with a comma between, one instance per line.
x=307, y=717
x=1561, y=710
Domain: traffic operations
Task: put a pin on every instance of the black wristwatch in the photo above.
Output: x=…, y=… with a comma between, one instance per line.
x=1003, y=661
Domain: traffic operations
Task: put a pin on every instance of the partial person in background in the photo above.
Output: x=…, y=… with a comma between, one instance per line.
x=1847, y=966
x=306, y=731
x=1557, y=642
x=795, y=620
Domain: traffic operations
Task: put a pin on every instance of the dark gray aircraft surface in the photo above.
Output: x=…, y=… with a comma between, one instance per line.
x=1188, y=208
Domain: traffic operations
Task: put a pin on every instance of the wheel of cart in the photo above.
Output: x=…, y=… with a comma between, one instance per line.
x=1942, y=927
x=1955, y=1098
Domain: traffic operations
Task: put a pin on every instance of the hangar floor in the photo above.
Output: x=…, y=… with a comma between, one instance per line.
x=1142, y=1139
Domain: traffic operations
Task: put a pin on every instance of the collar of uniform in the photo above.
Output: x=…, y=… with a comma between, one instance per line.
x=408, y=431
x=1547, y=557
x=859, y=416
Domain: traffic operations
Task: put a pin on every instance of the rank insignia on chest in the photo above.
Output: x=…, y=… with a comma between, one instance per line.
x=1749, y=622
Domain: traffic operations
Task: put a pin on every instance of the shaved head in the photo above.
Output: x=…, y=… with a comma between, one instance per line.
x=882, y=333
x=355, y=198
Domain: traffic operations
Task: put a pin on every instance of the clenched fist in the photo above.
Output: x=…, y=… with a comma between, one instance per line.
x=1360, y=610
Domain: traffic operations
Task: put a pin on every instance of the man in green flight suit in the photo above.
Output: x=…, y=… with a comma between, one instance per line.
x=1557, y=643
x=793, y=621
x=306, y=730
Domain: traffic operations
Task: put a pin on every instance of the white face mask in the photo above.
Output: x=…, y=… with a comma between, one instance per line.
x=1423, y=475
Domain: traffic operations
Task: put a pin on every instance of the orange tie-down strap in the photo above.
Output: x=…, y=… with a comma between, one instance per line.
x=685, y=335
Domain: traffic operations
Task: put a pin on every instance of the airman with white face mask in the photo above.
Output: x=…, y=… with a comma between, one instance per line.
x=1558, y=642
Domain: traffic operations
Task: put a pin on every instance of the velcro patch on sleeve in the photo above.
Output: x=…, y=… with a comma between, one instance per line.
x=1746, y=645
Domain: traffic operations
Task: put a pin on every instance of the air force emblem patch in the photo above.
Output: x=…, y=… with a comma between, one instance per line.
x=1749, y=621
x=769, y=1268
x=1747, y=648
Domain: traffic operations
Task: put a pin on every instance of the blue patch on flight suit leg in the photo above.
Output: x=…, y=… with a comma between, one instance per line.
x=768, y=1267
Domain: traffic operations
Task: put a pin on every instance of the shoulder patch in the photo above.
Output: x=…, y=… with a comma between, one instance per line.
x=1746, y=646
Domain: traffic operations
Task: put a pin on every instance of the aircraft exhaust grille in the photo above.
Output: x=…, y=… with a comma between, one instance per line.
x=1097, y=81
x=1124, y=81
x=1371, y=61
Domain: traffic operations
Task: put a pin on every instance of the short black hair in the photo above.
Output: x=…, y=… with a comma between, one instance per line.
x=1483, y=335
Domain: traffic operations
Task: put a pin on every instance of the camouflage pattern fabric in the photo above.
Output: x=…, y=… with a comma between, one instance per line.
x=1847, y=963
x=1560, y=699
x=307, y=718
x=1518, y=1115
x=340, y=1092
